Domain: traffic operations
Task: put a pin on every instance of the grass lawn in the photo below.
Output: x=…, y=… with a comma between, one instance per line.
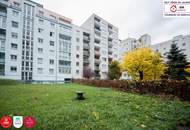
x=55, y=108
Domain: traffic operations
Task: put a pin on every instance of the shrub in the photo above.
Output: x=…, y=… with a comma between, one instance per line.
x=180, y=89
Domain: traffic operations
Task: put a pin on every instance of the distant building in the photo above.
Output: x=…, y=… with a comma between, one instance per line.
x=183, y=42
x=131, y=44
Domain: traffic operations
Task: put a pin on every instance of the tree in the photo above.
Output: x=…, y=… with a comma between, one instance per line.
x=87, y=73
x=114, y=70
x=143, y=64
x=176, y=64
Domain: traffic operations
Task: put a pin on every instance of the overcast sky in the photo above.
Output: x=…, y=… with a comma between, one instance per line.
x=133, y=17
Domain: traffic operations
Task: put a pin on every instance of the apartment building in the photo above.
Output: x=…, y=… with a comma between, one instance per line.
x=182, y=41
x=131, y=44
x=103, y=44
x=35, y=42
x=80, y=51
x=38, y=45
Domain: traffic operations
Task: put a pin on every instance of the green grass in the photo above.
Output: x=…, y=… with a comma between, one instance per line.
x=55, y=108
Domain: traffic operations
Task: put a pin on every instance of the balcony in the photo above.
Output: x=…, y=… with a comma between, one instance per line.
x=3, y=24
x=97, y=39
x=96, y=68
x=2, y=36
x=2, y=48
x=110, y=39
x=96, y=23
x=110, y=31
x=110, y=44
x=86, y=46
x=97, y=53
x=2, y=61
x=86, y=53
x=96, y=19
x=110, y=50
x=97, y=61
x=4, y=2
x=86, y=61
x=86, y=39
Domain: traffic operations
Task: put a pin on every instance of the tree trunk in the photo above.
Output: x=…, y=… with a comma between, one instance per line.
x=141, y=74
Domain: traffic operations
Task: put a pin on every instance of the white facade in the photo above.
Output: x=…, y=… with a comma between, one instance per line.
x=103, y=44
x=183, y=42
x=41, y=46
x=131, y=44
x=37, y=43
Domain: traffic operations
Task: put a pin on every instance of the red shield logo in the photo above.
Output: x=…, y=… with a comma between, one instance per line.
x=6, y=121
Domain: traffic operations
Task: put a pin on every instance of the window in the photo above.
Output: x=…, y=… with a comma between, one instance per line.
x=40, y=61
x=16, y=4
x=40, y=70
x=52, y=24
x=15, y=13
x=77, y=71
x=51, y=71
x=14, y=24
x=13, y=57
x=51, y=43
x=77, y=48
x=41, y=21
x=51, y=61
x=40, y=30
x=51, y=51
x=52, y=17
x=104, y=59
x=13, y=69
x=77, y=39
x=77, y=56
x=41, y=13
x=14, y=46
x=77, y=63
x=40, y=40
x=51, y=34
x=14, y=35
x=40, y=50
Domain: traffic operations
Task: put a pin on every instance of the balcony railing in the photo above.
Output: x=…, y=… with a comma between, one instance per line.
x=86, y=61
x=2, y=36
x=97, y=53
x=2, y=48
x=97, y=68
x=2, y=61
x=86, y=46
x=97, y=61
x=4, y=2
x=3, y=25
x=86, y=38
x=96, y=23
x=110, y=44
x=86, y=53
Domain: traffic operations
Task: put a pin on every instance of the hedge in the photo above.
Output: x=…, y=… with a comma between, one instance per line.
x=9, y=82
x=180, y=89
